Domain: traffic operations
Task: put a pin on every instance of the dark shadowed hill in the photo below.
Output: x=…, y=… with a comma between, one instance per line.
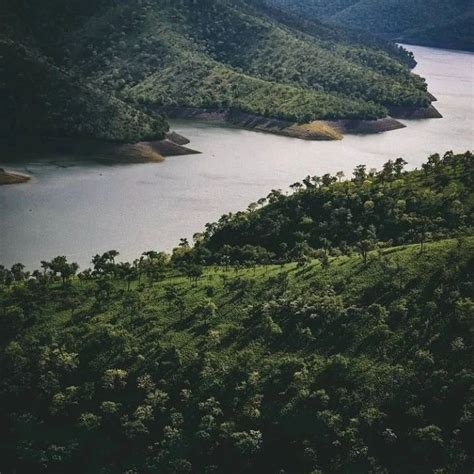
x=39, y=98
x=448, y=24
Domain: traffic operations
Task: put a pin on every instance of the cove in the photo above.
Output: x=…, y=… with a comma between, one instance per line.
x=78, y=207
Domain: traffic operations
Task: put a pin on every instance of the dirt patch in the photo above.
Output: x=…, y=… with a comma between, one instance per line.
x=7, y=177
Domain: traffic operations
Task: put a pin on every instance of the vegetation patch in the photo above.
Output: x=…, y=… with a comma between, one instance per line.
x=430, y=22
x=317, y=129
x=102, y=69
x=347, y=357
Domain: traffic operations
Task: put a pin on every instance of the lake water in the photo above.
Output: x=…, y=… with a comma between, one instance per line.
x=87, y=208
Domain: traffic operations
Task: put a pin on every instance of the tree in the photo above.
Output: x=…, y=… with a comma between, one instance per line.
x=193, y=272
x=398, y=166
x=420, y=228
x=207, y=309
x=12, y=320
x=360, y=173
x=60, y=265
x=73, y=299
x=6, y=276
x=155, y=265
x=364, y=247
x=127, y=272
x=17, y=271
x=323, y=257
x=105, y=263
x=387, y=173
x=171, y=293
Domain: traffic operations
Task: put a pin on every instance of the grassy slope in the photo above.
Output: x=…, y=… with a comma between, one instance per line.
x=377, y=361
x=355, y=283
x=201, y=54
x=213, y=54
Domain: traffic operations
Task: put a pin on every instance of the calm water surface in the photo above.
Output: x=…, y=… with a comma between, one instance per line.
x=86, y=207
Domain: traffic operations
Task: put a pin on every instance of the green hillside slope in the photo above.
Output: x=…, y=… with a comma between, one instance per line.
x=357, y=362
x=39, y=99
x=391, y=206
x=277, y=369
x=220, y=54
x=457, y=33
x=226, y=54
x=436, y=23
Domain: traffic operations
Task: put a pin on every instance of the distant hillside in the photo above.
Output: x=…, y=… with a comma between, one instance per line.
x=221, y=54
x=456, y=34
x=38, y=98
x=439, y=23
x=228, y=54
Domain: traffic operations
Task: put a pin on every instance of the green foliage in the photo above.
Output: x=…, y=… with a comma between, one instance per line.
x=38, y=98
x=333, y=364
x=431, y=22
x=305, y=370
x=384, y=208
x=104, y=69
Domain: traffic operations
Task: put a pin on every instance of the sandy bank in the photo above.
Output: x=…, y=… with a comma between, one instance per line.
x=156, y=151
x=98, y=150
x=7, y=177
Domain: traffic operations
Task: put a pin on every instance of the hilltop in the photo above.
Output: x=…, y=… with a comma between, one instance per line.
x=138, y=59
x=426, y=22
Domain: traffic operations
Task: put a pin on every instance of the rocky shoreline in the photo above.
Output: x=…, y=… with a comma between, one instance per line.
x=175, y=144
x=141, y=152
x=415, y=113
x=172, y=145
x=316, y=130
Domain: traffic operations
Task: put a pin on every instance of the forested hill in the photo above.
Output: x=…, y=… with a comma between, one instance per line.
x=358, y=360
x=327, y=214
x=39, y=98
x=219, y=54
x=440, y=23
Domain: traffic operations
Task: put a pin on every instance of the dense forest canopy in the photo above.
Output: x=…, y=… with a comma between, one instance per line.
x=136, y=56
x=357, y=358
x=38, y=98
x=447, y=24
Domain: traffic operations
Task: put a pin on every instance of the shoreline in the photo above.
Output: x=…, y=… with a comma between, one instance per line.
x=141, y=152
x=174, y=144
x=324, y=130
